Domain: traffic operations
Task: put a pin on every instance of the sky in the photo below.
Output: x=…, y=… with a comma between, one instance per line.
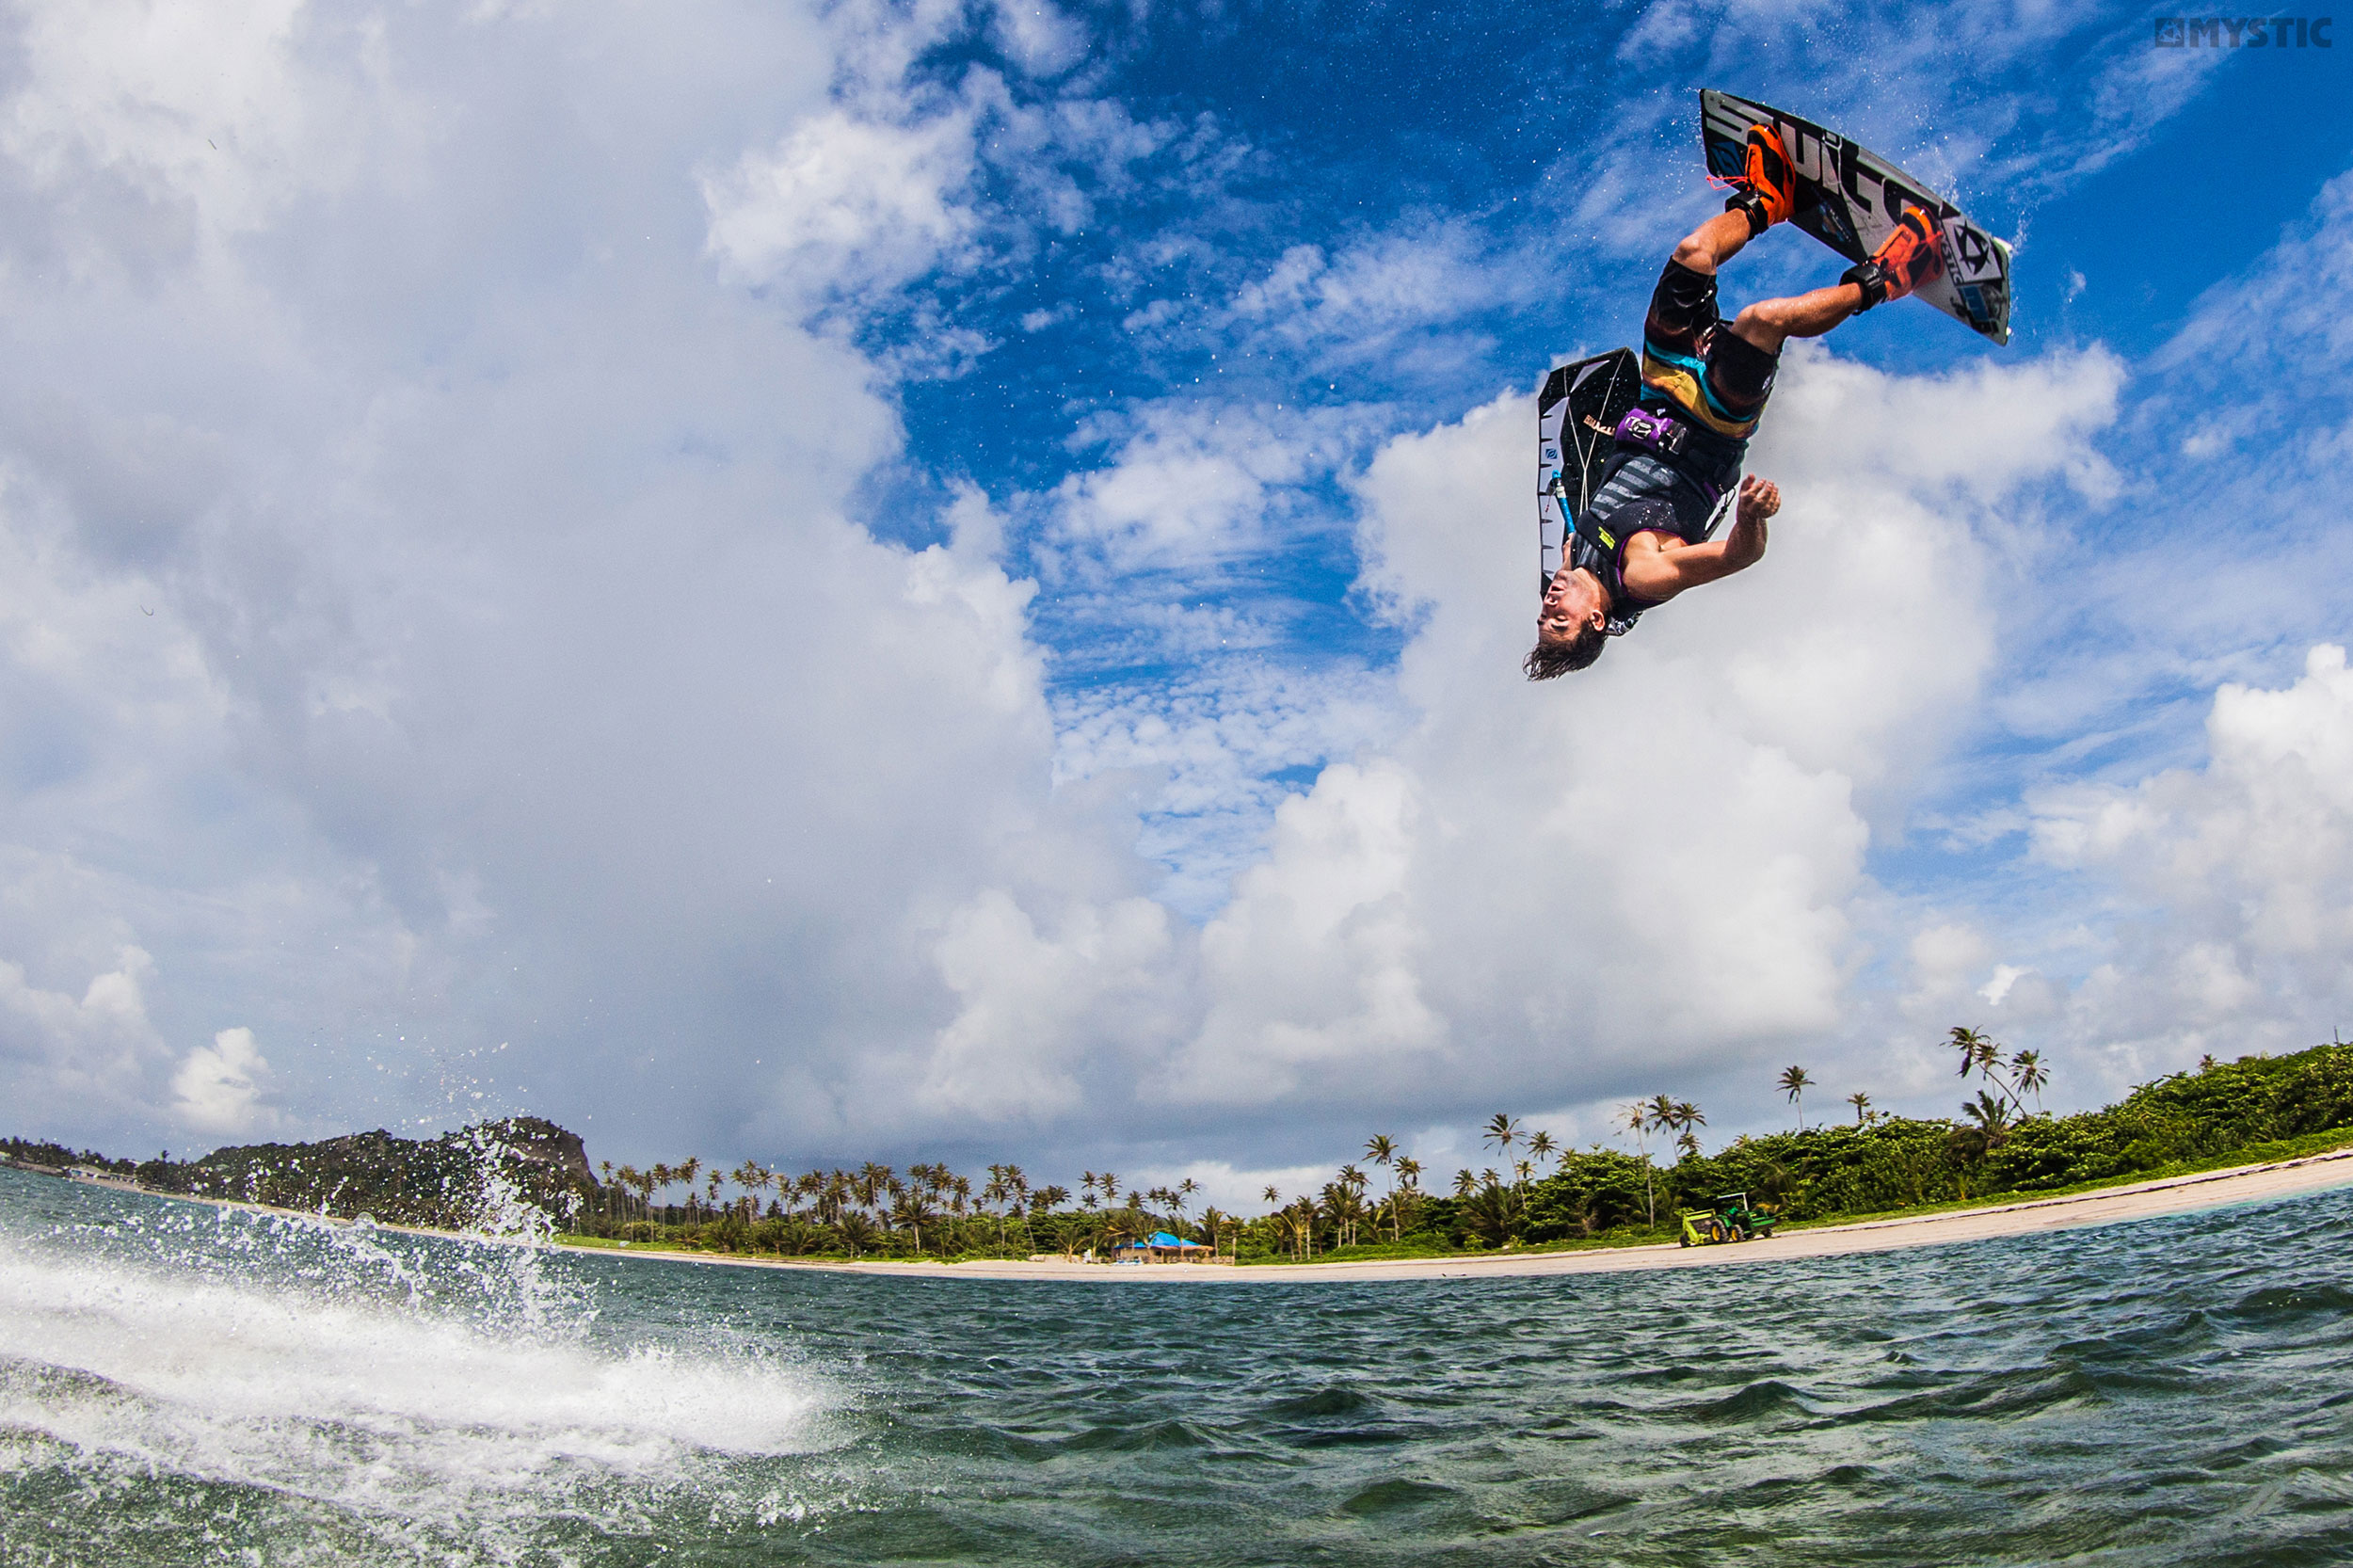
x=945, y=581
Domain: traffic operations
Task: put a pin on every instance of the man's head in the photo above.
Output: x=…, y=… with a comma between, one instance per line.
x=1571, y=625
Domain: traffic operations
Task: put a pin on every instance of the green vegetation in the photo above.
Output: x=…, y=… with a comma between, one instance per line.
x=486, y=1176
x=1538, y=1195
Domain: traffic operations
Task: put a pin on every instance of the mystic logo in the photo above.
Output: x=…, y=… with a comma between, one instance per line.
x=2245, y=32
x=1972, y=254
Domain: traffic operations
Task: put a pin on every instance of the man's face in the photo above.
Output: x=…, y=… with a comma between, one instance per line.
x=1573, y=601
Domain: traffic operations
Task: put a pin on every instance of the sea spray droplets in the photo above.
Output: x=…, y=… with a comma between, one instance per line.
x=420, y=1382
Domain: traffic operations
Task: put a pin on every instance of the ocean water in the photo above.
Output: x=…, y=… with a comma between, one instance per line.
x=180, y=1386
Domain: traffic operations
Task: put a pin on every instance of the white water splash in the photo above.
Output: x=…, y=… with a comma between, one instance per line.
x=450, y=1381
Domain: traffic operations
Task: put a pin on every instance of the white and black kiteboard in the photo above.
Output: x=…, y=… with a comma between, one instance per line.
x=1849, y=198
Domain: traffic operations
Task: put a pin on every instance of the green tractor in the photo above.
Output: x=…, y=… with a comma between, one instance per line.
x=1731, y=1219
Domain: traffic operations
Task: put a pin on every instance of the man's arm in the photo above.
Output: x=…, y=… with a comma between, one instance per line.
x=1657, y=570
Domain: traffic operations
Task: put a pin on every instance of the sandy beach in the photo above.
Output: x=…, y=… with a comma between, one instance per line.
x=2108, y=1206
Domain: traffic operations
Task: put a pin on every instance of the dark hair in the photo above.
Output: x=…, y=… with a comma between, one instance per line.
x=1548, y=659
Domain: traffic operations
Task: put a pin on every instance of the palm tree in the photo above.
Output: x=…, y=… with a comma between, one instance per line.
x=1465, y=1183
x=1990, y=1119
x=1862, y=1103
x=1635, y=1118
x=1296, y=1221
x=1492, y=1214
x=856, y=1231
x=910, y=1205
x=1795, y=1081
x=1212, y=1221
x=1977, y=1052
x=1987, y=1130
x=1271, y=1195
x=2027, y=1070
x=1540, y=1147
x=626, y=1180
x=1640, y=1118
x=994, y=1197
x=1502, y=1131
x=1688, y=1117
x=1382, y=1150
x=1408, y=1178
x=753, y=1179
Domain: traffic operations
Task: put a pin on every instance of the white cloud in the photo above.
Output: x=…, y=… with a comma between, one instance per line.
x=219, y=1087
x=1038, y=36
x=1379, y=296
x=78, y=1059
x=1188, y=486
x=1032, y=1008
x=845, y=203
x=214, y=106
x=2233, y=880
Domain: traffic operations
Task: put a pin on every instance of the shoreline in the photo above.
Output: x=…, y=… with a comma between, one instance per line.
x=2143, y=1200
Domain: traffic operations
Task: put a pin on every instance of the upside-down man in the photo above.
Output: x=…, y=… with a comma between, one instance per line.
x=1646, y=538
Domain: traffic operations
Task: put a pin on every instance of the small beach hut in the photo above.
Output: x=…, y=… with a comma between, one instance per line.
x=1176, y=1249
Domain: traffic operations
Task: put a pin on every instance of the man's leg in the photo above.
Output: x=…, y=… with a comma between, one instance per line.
x=1906, y=259
x=1769, y=323
x=1714, y=243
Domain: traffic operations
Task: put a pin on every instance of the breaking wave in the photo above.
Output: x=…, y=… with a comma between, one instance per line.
x=405, y=1393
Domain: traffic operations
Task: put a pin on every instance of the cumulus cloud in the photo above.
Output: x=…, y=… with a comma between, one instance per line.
x=845, y=203
x=2233, y=882
x=514, y=669
x=221, y=111
x=78, y=1059
x=219, y=1087
x=1190, y=487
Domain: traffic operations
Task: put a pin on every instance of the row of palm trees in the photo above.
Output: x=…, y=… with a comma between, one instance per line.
x=860, y=1208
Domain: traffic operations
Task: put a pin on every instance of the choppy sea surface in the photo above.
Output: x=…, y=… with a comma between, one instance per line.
x=182, y=1386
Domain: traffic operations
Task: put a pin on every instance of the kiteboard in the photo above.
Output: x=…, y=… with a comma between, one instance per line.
x=1577, y=420
x=1849, y=198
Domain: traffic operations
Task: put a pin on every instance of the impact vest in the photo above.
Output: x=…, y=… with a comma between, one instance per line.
x=1641, y=492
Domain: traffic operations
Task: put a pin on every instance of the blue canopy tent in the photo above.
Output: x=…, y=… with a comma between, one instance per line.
x=1162, y=1248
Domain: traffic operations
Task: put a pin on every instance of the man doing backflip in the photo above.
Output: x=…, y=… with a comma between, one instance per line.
x=1646, y=537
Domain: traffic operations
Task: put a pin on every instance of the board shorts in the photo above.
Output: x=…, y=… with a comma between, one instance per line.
x=1694, y=362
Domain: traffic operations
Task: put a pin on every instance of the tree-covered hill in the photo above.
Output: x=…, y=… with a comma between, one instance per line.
x=457, y=1181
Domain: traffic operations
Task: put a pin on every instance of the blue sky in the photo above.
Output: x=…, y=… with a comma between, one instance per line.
x=944, y=580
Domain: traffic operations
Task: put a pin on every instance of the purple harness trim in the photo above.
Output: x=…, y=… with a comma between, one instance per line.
x=1662, y=436
x=1654, y=433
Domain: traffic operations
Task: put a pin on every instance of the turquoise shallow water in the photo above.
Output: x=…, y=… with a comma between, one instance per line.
x=177, y=1386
